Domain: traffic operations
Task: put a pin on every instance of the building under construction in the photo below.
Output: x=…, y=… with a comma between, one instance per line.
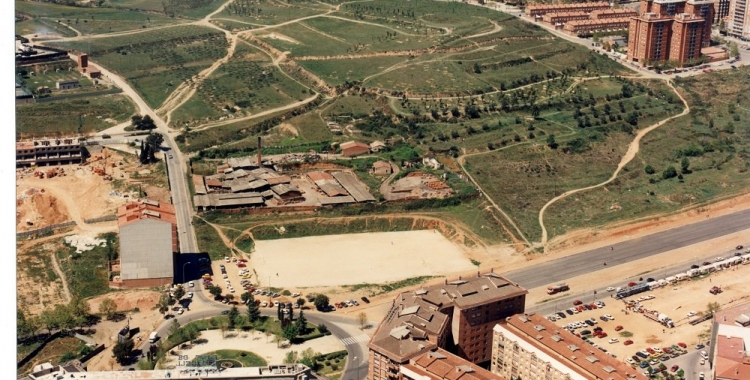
x=46, y=152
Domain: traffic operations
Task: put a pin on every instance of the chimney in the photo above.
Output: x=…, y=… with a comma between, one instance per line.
x=260, y=147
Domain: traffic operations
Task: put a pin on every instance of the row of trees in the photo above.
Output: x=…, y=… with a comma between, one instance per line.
x=61, y=317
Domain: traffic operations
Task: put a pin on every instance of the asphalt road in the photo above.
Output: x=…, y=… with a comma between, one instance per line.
x=543, y=274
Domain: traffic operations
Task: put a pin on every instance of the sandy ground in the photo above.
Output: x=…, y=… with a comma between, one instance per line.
x=147, y=319
x=675, y=301
x=256, y=342
x=356, y=258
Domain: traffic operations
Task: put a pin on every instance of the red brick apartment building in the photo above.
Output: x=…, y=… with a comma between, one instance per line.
x=457, y=316
x=528, y=346
x=439, y=364
x=539, y=10
x=593, y=26
x=670, y=30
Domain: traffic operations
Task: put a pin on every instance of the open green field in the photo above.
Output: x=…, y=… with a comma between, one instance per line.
x=715, y=140
x=522, y=176
x=248, y=81
x=265, y=12
x=337, y=71
x=91, y=20
x=173, y=8
x=156, y=62
x=61, y=117
x=86, y=272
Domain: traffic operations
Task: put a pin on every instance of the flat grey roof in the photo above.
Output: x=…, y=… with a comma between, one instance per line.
x=336, y=200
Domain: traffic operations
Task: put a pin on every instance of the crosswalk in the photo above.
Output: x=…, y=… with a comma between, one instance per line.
x=355, y=339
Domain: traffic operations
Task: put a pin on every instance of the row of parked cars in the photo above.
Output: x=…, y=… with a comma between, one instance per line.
x=653, y=356
x=579, y=307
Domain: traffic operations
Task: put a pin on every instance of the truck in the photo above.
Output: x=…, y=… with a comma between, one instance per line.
x=557, y=288
x=631, y=290
x=153, y=337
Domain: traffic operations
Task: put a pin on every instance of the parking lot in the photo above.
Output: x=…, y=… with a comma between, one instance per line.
x=680, y=302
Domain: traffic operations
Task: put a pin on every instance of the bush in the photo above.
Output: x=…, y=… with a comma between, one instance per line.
x=670, y=172
x=334, y=367
x=649, y=169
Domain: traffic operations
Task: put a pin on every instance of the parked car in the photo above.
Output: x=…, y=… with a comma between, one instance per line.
x=643, y=364
x=636, y=358
x=570, y=311
x=577, y=302
x=613, y=340
x=674, y=368
x=704, y=355
x=610, y=289
x=627, y=342
x=618, y=328
x=683, y=345
x=559, y=314
x=586, y=332
x=367, y=300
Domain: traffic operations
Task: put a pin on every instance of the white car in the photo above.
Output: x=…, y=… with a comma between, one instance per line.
x=226, y=259
x=690, y=314
x=180, y=311
x=630, y=361
x=613, y=340
x=609, y=317
x=719, y=259
x=190, y=295
x=190, y=284
x=295, y=295
x=610, y=289
x=704, y=355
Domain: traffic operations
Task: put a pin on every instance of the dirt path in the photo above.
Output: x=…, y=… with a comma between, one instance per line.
x=257, y=115
x=633, y=149
x=81, y=37
x=56, y=267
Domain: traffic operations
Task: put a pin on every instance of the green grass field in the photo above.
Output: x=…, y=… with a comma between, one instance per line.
x=61, y=117
x=42, y=27
x=156, y=62
x=174, y=8
x=92, y=20
x=711, y=139
x=248, y=81
x=266, y=12
x=86, y=272
x=337, y=71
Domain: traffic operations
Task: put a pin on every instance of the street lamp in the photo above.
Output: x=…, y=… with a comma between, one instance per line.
x=183, y=271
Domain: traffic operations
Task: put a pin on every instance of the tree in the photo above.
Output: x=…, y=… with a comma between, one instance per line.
x=174, y=327
x=233, y=314
x=713, y=307
x=551, y=141
x=734, y=50
x=362, y=317
x=685, y=165
x=108, y=307
x=301, y=322
x=143, y=122
x=535, y=111
x=223, y=326
x=632, y=118
x=247, y=297
x=669, y=172
x=24, y=326
x=300, y=302
x=290, y=332
x=308, y=357
x=229, y=297
x=215, y=291
x=649, y=169
x=321, y=302
x=179, y=292
x=253, y=312
x=322, y=328
x=477, y=68
x=123, y=351
x=163, y=304
x=291, y=357
x=153, y=142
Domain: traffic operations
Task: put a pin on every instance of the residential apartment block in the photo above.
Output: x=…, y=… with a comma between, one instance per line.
x=721, y=10
x=739, y=19
x=457, y=316
x=670, y=30
x=530, y=347
x=587, y=27
x=539, y=10
x=587, y=23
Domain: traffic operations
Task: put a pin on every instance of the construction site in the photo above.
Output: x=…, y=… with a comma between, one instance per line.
x=418, y=185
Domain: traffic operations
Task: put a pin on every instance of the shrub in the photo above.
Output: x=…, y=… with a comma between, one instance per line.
x=649, y=169
x=668, y=173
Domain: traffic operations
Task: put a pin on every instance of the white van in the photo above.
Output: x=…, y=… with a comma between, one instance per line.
x=153, y=337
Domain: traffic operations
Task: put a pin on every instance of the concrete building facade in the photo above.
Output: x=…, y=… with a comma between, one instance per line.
x=531, y=347
x=721, y=10
x=539, y=10
x=457, y=316
x=739, y=19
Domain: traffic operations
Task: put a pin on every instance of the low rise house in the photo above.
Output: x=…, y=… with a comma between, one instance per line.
x=67, y=84
x=382, y=168
x=354, y=148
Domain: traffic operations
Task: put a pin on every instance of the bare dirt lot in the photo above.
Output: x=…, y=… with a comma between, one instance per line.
x=146, y=318
x=375, y=258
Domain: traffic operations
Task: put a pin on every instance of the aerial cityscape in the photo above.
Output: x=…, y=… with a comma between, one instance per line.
x=382, y=189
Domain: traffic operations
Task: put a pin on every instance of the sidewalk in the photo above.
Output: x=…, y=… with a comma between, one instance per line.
x=255, y=342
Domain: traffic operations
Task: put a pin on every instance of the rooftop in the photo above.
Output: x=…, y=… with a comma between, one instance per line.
x=562, y=346
x=291, y=372
x=352, y=144
x=732, y=360
x=415, y=320
x=145, y=209
x=439, y=364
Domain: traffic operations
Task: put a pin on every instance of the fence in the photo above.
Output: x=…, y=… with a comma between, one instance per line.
x=45, y=230
x=99, y=348
x=81, y=95
x=107, y=218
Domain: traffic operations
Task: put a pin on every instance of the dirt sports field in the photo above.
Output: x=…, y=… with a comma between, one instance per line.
x=374, y=258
